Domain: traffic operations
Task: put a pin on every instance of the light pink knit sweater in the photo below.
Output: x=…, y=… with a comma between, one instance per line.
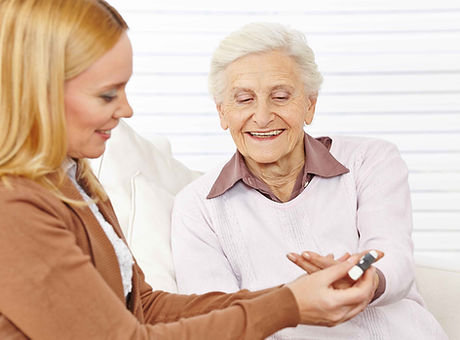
x=240, y=239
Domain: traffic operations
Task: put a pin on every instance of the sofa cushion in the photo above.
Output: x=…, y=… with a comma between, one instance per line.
x=141, y=178
x=439, y=284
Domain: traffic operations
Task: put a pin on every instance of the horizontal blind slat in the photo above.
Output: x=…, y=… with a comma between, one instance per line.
x=182, y=102
x=328, y=64
x=434, y=221
x=370, y=83
x=435, y=241
x=332, y=7
x=145, y=42
x=323, y=123
x=162, y=22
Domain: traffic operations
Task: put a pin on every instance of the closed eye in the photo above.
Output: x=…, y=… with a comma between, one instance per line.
x=108, y=99
x=245, y=100
x=280, y=96
x=109, y=96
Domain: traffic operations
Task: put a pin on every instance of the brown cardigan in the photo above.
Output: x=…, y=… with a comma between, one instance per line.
x=60, y=279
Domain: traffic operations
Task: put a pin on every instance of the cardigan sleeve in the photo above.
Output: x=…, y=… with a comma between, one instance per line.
x=50, y=289
x=218, y=315
x=160, y=306
x=384, y=215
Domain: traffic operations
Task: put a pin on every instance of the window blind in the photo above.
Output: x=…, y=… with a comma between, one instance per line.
x=391, y=71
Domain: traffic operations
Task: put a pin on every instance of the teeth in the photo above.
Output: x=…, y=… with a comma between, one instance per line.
x=107, y=132
x=266, y=134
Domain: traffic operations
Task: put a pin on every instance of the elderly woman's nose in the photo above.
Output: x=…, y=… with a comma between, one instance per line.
x=262, y=115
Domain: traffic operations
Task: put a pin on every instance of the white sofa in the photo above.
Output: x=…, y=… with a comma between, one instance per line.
x=141, y=177
x=439, y=284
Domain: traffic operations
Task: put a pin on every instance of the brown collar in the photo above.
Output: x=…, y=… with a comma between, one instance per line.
x=318, y=162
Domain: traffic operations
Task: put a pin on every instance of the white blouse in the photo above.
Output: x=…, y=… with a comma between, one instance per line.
x=124, y=256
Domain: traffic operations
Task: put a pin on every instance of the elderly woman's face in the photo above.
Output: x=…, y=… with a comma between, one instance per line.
x=95, y=100
x=265, y=107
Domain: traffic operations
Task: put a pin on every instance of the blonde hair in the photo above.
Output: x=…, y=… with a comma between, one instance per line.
x=43, y=43
x=258, y=38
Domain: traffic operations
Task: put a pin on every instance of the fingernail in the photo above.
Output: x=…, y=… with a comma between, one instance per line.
x=291, y=257
x=374, y=254
x=306, y=255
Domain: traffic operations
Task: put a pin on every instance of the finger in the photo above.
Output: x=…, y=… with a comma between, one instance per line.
x=359, y=307
x=344, y=257
x=338, y=270
x=302, y=263
x=367, y=278
x=366, y=260
x=361, y=292
x=379, y=253
x=354, y=310
x=320, y=261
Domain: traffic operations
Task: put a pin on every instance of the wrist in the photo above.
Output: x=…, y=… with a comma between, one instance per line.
x=380, y=284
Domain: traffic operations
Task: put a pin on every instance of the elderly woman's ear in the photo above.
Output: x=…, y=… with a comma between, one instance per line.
x=311, y=106
x=223, y=121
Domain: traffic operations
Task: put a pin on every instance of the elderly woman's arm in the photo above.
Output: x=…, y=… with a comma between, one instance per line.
x=383, y=220
x=384, y=216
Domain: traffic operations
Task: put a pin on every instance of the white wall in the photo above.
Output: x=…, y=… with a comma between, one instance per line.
x=391, y=69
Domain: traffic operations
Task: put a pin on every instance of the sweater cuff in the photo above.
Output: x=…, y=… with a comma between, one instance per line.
x=273, y=311
x=381, y=287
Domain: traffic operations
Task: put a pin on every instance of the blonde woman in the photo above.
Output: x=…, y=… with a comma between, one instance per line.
x=65, y=269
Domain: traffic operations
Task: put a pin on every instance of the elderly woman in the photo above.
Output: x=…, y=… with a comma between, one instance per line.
x=284, y=190
x=65, y=269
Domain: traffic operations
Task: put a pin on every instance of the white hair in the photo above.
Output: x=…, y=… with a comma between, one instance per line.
x=259, y=38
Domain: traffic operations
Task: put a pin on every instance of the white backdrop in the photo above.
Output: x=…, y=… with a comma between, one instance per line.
x=391, y=69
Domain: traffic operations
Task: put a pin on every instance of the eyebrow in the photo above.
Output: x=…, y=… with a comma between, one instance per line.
x=283, y=87
x=274, y=88
x=244, y=89
x=111, y=86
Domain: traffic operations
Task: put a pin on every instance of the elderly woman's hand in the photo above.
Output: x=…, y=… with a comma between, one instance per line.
x=321, y=304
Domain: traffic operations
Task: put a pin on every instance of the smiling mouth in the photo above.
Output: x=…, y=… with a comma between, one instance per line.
x=267, y=134
x=104, y=132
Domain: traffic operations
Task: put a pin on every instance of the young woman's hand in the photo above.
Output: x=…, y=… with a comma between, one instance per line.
x=320, y=303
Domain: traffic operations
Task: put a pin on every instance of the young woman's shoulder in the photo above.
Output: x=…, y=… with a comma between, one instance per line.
x=19, y=195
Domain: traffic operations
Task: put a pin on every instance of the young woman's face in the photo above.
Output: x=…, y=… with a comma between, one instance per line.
x=95, y=100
